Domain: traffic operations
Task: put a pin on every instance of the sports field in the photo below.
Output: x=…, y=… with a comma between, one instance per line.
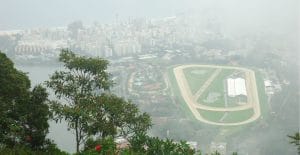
x=204, y=90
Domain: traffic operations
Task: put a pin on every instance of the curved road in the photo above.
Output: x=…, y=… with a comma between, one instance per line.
x=253, y=101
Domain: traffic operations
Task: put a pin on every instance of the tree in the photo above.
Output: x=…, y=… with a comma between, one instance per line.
x=36, y=115
x=113, y=115
x=295, y=139
x=83, y=79
x=143, y=144
x=14, y=89
x=215, y=153
x=23, y=113
x=89, y=108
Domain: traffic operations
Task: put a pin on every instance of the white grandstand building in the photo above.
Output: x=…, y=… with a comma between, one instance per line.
x=236, y=87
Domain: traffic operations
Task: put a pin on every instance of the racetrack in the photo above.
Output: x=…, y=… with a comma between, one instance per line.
x=191, y=99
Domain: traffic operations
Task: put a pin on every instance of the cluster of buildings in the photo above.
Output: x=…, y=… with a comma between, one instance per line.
x=147, y=79
x=121, y=39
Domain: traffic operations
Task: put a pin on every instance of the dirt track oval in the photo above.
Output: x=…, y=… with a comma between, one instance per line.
x=191, y=99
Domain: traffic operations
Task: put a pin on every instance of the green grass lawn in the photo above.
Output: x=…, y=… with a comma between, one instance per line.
x=231, y=117
x=238, y=116
x=233, y=101
x=195, y=80
x=216, y=86
x=214, y=116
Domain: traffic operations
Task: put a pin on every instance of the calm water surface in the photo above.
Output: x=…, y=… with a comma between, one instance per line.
x=57, y=132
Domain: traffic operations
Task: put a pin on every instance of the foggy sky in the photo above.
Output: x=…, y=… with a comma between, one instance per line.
x=237, y=14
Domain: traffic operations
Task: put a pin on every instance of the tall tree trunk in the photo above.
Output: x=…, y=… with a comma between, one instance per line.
x=77, y=136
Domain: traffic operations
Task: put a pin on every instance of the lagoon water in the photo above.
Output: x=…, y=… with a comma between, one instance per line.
x=58, y=132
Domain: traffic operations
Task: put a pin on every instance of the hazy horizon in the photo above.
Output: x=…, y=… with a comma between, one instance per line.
x=211, y=41
x=16, y=14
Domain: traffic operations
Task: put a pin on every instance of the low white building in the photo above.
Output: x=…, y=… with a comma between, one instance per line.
x=236, y=87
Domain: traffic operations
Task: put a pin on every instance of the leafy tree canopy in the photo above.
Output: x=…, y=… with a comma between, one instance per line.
x=89, y=108
x=23, y=113
x=295, y=139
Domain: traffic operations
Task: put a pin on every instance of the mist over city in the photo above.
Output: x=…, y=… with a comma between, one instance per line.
x=150, y=77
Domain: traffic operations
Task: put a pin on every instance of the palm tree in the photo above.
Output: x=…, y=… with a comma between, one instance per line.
x=295, y=139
